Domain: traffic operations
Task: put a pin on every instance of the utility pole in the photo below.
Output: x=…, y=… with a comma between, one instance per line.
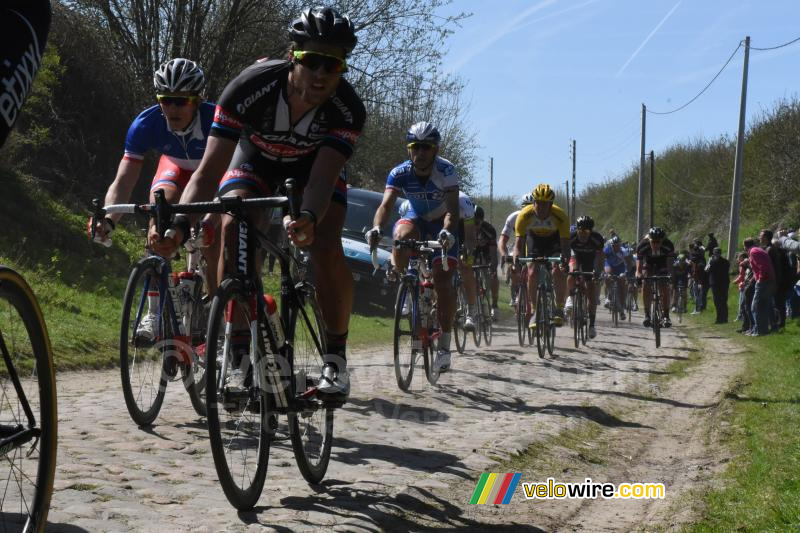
x=491, y=189
x=736, y=200
x=569, y=213
x=640, y=201
x=652, y=188
x=573, y=180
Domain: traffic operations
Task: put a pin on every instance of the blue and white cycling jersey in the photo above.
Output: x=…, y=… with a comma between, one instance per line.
x=466, y=209
x=426, y=200
x=614, y=259
x=150, y=131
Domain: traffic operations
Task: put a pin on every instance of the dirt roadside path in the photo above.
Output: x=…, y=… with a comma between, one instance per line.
x=405, y=461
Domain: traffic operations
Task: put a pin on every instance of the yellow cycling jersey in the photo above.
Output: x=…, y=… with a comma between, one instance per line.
x=528, y=222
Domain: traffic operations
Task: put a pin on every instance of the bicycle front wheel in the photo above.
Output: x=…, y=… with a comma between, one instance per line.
x=310, y=428
x=522, y=318
x=459, y=332
x=485, y=324
x=237, y=409
x=406, y=334
x=550, y=328
x=657, y=322
x=28, y=363
x=541, y=320
x=194, y=377
x=577, y=318
x=144, y=342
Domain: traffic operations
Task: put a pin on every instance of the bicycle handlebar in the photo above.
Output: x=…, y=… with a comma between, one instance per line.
x=424, y=246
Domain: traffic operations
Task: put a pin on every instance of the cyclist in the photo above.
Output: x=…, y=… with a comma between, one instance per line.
x=24, y=25
x=486, y=250
x=548, y=227
x=680, y=278
x=505, y=235
x=292, y=118
x=587, y=255
x=618, y=261
x=177, y=127
x=431, y=185
x=466, y=235
x=654, y=257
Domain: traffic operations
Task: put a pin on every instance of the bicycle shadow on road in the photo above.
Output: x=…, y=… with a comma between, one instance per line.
x=396, y=411
x=63, y=528
x=366, y=509
x=425, y=460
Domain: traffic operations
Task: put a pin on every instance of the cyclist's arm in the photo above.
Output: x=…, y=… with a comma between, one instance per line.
x=502, y=244
x=382, y=213
x=451, y=217
x=121, y=189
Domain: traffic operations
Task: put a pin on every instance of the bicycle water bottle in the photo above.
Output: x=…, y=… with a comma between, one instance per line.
x=274, y=319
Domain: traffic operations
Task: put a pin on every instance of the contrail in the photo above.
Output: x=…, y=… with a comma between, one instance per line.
x=633, y=56
x=499, y=34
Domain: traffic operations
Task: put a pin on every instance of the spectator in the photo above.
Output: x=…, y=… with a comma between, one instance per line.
x=783, y=278
x=764, y=275
x=739, y=281
x=718, y=279
x=697, y=258
x=748, y=323
x=712, y=242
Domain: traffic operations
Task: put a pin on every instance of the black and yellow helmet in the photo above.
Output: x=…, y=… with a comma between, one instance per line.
x=543, y=193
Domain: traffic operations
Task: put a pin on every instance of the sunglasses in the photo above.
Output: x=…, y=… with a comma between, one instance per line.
x=420, y=146
x=177, y=101
x=314, y=60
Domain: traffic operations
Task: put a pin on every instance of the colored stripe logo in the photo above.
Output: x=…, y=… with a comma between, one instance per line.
x=495, y=488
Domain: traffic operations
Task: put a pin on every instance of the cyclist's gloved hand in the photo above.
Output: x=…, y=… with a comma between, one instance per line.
x=447, y=239
x=165, y=247
x=373, y=236
x=301, y=230
x=103, y=230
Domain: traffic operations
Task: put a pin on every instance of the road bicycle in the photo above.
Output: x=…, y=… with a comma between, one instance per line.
x=580, y=307
x=416, y=329
x=28, y=413
x=545, y=303
x=656, y=309
x=630, y=297
x=163, y=325
x=483, y=316
x=614, y=297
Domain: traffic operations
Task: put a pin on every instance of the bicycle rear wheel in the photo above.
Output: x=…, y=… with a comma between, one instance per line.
x=28, y=361
x=311, y=429
x=141, y=358
x=406, y=334
x=238, y=415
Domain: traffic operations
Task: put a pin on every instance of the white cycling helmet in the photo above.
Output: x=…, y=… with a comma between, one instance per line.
x=423, y=132
x=179, y=75
x=526, y=200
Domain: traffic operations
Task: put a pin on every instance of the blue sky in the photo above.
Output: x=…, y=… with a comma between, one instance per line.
x=542, y=72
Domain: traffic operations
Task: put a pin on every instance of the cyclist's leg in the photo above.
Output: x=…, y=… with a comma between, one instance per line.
x=646, y=298
x=468, y=277
x=405, y=228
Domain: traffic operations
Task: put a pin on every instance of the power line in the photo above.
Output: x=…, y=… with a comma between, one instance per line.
x=661, y=172
x=775, y=47
x=704, y=88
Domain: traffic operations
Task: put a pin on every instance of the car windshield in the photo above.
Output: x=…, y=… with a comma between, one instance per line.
x=360, y=212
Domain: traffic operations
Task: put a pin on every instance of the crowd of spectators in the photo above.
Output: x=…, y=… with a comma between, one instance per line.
x=768, y=280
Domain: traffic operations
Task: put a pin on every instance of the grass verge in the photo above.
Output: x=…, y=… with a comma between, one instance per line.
x=760, y=491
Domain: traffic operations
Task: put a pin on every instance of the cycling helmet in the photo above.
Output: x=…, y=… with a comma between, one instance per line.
x=585, y=222
x=323, y=25
x=543, y=193
x=479, y=212
x=526, y=200
x=179, y=75
x=614, y=239
x=423, y=132
x=656, y=233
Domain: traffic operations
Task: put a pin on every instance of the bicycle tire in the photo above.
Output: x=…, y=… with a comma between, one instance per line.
x=541, y=310
x=459, y=333
x=402, y=374
x=221, y=402
x=584, y=320
x=311, y=431
x=477, y=335
x=577, y=317
x=431, y=372
x=33, y=462
x=551, y=327
x=485, y=324
x=521, y=315
x=138, y=370
x=194, y=377
x=656, y=317
x=614, y=293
